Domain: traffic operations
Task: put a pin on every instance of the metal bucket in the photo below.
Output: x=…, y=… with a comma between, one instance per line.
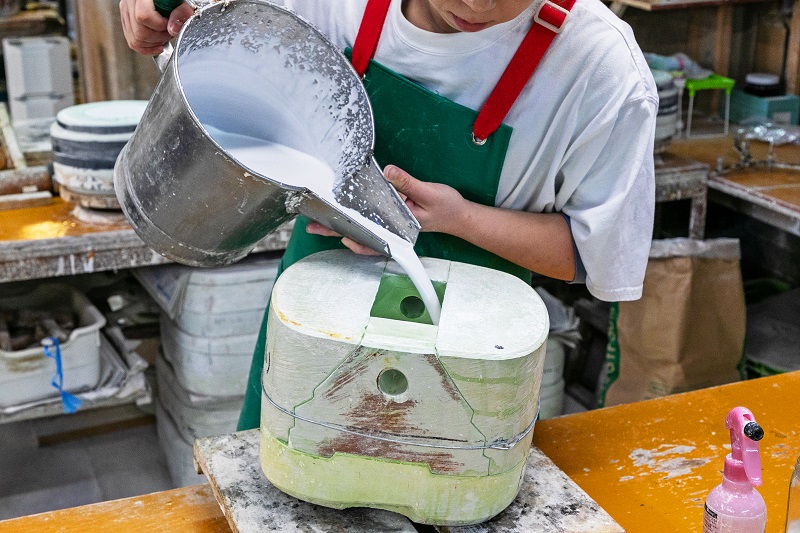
x=196, y=204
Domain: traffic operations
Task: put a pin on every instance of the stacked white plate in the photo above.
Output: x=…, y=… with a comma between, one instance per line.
x=87, y=140
x=667, y=117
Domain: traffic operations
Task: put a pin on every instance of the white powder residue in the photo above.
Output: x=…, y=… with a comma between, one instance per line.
x=668, y=459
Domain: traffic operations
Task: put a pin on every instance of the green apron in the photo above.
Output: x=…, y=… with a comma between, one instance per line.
x=429, y=137
x=432, y=139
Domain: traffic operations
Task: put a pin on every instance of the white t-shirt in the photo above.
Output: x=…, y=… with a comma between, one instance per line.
x=583, y=126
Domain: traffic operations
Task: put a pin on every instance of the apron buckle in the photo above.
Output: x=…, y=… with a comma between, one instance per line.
x=478, y=141
x=551, y=15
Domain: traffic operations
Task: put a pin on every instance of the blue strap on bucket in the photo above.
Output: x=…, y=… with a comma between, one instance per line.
x=71, y=403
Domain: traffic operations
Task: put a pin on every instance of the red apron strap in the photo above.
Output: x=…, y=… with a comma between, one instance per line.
x=369, y=33
x=548, y=22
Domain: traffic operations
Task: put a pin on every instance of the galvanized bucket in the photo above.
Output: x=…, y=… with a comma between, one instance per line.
x=196, y=204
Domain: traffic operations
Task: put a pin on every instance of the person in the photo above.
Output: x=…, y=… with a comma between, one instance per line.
x=506, y=161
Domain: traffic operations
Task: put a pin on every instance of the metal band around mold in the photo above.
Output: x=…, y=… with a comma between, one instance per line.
x=499, y=444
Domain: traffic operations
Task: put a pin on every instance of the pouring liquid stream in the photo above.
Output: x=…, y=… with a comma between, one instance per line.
x=299, y=169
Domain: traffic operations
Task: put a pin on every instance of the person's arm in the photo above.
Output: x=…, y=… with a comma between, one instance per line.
x=541, y=242
x=146, y=31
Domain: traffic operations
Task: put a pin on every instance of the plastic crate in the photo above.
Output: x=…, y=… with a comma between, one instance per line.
x=26, y=375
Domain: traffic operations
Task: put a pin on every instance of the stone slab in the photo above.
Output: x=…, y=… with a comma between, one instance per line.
x=251, y=504
x=549, y=502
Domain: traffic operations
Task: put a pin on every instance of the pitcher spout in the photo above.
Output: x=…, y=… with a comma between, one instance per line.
x=372, y=197
x=368, y=192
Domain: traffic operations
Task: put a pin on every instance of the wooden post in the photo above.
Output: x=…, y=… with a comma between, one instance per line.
x=793, y=53
x=722, y=39
x=719, y=55
x=698, y=29
x=15, y=157
x=109, y=70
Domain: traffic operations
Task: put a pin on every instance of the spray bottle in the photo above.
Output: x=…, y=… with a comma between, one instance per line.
x=735, y=506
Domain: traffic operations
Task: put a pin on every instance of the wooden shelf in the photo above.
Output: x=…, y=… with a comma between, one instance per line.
x=31, y=23
x=721, y=27
x=678, y=178
x=662, y=5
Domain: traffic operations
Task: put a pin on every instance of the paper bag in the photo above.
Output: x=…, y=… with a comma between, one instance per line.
x=686, y=332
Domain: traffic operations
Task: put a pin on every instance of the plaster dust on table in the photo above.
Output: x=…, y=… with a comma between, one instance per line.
x=667, y=459
x=293, y=167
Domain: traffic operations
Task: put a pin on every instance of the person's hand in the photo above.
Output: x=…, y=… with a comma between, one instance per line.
x=146, y=31
x=316, y=228
x=437, y=207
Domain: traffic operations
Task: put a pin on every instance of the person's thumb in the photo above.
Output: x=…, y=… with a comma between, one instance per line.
x=404, y=182
x=178, y=18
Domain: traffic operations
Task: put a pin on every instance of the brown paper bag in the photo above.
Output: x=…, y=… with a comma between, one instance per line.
x=687, y=330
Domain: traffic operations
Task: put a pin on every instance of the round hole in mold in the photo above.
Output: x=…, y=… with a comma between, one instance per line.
x=412, y=307
x=392, y=382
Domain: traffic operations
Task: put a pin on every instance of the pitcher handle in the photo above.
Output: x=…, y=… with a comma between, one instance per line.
x=165, y=7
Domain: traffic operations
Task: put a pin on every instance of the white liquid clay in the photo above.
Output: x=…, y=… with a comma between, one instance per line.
x=296, y=168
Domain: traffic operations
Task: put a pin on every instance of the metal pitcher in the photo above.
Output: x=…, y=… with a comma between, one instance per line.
x=196, y=204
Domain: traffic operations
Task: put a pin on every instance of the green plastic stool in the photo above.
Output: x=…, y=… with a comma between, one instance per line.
x=714, y=81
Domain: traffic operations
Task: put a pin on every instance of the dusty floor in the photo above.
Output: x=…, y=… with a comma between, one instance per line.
x=34, y=479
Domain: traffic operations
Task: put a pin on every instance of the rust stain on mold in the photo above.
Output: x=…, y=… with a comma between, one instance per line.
x=361, y=366
x=375, y=411
x=447, y=383
x=372, y=412
x=338, y=336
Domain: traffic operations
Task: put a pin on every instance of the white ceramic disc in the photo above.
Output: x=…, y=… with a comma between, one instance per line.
x=118, y=116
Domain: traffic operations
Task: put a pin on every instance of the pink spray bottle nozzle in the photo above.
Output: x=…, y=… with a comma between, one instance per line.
x=743, y=463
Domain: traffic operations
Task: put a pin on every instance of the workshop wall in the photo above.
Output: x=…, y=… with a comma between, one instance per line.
x=757, y=36
x=108, y=69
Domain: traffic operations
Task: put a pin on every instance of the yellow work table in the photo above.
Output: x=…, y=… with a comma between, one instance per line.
x=61, y=240
x=650, y=465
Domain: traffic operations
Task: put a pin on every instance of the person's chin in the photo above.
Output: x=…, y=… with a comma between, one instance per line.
x=465, y=26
